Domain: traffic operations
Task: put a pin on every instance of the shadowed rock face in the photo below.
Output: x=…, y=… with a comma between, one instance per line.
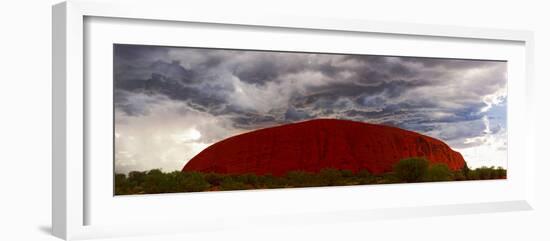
x=322, y=143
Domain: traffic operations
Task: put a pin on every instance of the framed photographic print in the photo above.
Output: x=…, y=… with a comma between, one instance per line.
x=192, y=119
x=255, y=119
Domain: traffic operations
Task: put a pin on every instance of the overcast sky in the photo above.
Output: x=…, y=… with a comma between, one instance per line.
x=172, y=102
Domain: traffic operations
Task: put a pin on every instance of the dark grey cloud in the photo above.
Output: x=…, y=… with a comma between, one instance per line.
x=252, y=89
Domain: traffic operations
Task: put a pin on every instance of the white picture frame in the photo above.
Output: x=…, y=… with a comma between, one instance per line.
x=72, y=192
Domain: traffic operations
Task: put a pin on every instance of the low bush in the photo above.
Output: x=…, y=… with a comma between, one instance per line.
x=230, y=183
x=405, y=171
x=485, y=173
x=330, y=177
x=192, y=182
x=438, y=172
x=411, y=169
x=301, y=179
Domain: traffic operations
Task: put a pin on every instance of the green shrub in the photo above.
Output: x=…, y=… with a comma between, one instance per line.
x=229, y=183
x=387, y=178
x=459, y=176
x=301, y=179
x=365, y=177
x=473, y=175
x=485, y=172
x=267, y=181
x=214, y=178
x=346, y=173
x=248, y=178
x=157, y=182
x=364, y=173
x=500, y=173
x=465, y=170
x=406, y=170
x=411, y=169
x=438, y=172
x=330, y=177
x=121, y=184
x=192, y=182
x=136, y=178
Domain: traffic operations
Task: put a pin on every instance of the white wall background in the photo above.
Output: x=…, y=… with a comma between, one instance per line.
x=25, y=120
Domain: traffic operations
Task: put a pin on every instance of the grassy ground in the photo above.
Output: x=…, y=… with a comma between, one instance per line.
x=406, y=171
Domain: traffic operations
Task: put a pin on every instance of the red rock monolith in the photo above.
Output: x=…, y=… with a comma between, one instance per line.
x=321, y=143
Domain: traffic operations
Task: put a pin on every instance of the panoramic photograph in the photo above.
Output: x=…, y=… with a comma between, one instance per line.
x=190, y=119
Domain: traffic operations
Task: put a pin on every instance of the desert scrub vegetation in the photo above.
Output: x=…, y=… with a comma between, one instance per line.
x=410, y=170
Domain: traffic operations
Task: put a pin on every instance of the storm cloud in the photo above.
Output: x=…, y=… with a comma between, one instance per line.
x=216, y=93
